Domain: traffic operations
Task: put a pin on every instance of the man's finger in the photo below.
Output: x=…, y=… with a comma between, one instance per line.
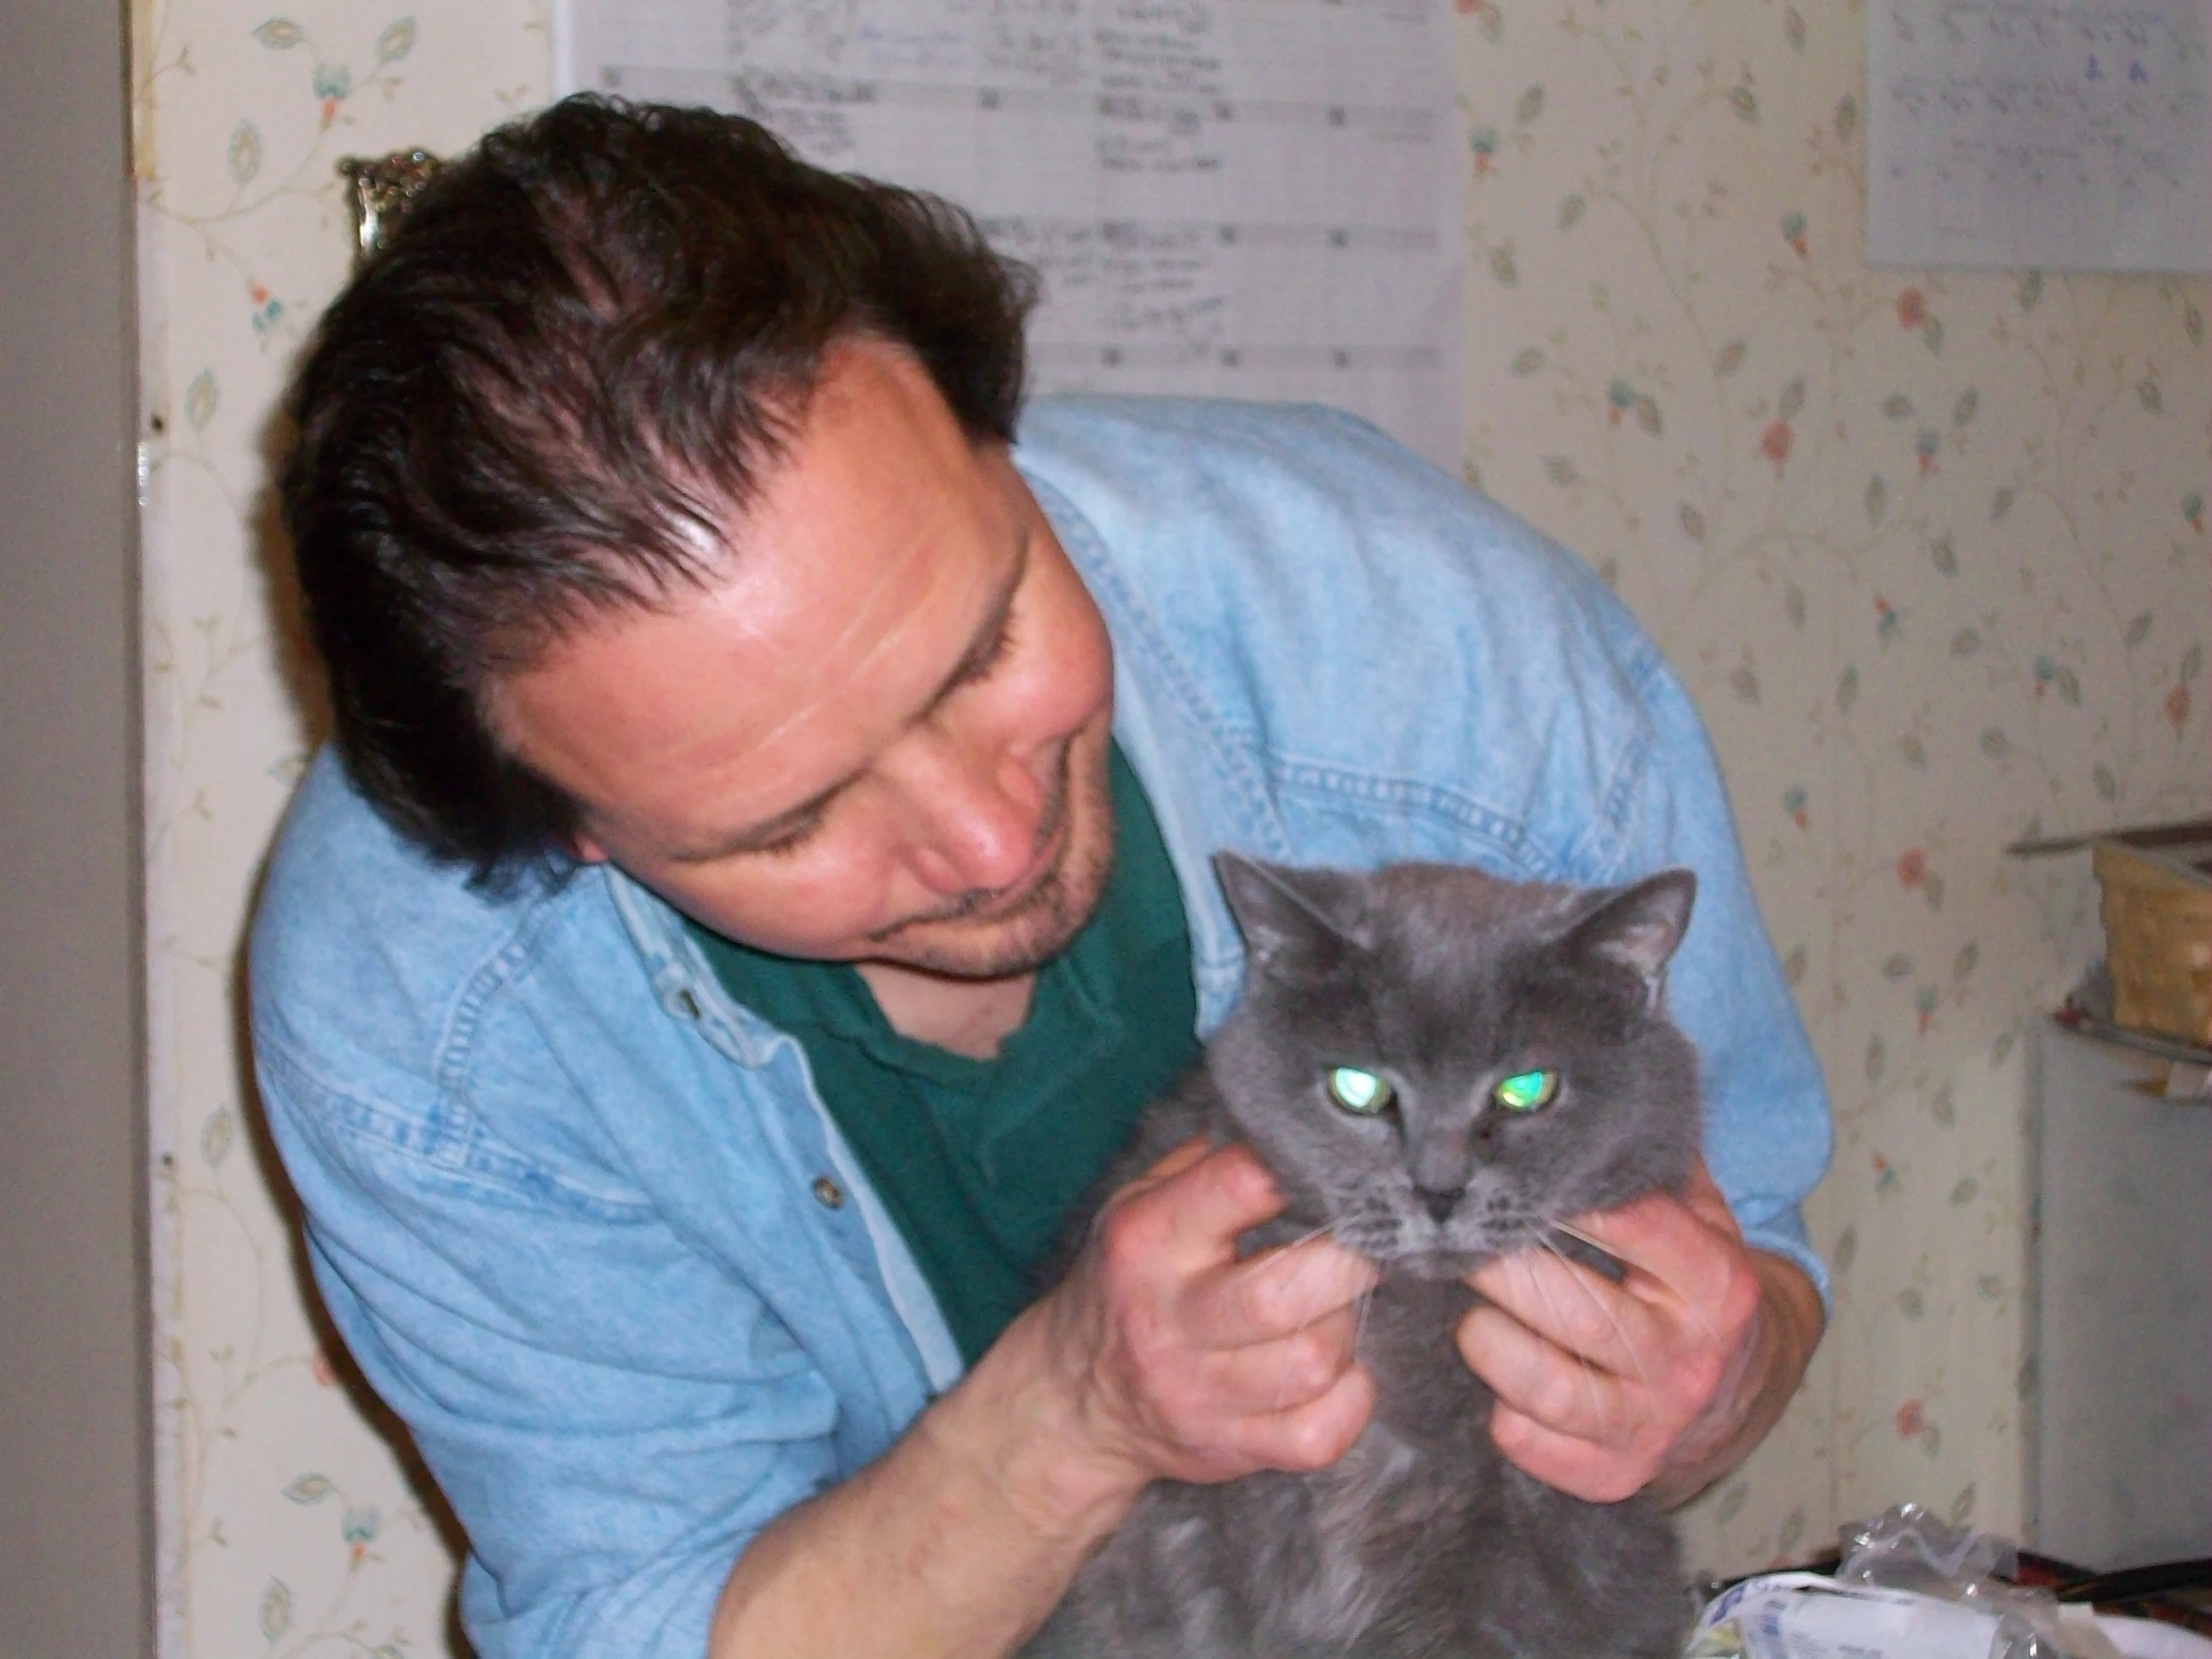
x=1280, y=1292
x=1264, y=1378
x=1595, y=1473
x=1176, y=1162
x=1188, y=1210
x=1658, y=1228
x=1313, y=1433
x=1674, y=1255
x=1575, y=1308
x=1541, y=1382
x=1703, y=1194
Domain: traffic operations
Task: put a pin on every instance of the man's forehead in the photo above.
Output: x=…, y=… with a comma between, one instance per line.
x=843, y=598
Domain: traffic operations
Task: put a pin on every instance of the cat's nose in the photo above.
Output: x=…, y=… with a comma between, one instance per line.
x=1438, y=1204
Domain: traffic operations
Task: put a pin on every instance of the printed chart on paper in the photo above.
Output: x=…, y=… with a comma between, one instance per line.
x=2072, y=134
x=1226, y=197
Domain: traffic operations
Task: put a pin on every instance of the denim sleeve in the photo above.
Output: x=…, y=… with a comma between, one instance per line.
x=612, y=1414
x=1768, y=1135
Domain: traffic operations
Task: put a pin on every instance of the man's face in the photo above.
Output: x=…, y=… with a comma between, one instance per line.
x=881, y=735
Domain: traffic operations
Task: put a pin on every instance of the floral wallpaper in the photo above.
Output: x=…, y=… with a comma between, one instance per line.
x=1930, y=546
x=288, y=1526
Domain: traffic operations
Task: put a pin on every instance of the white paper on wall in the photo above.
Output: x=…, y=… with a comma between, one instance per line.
x=2069, y=133
x=1226, y=197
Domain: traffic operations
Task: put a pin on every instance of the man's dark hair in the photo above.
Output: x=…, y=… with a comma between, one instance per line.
x=540, y=403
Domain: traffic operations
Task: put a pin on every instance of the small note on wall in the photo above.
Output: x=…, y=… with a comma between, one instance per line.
x=2061, y=133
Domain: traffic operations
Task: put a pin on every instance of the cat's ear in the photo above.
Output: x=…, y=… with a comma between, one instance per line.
x=1291, y=916
x=1640, y=926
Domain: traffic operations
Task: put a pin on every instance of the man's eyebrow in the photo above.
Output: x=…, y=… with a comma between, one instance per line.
x=982, y=644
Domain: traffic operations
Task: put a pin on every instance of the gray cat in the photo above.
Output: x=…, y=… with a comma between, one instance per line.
x=1439, y=1067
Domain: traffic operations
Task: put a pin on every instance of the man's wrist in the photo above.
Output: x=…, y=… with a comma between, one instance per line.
x=1026, y=1422
x=1784, y=1331
x=963, y=1536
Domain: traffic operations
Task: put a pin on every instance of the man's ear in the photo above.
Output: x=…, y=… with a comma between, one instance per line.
x=1290, y=916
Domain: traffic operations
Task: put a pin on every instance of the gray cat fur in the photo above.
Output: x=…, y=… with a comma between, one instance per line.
x=1422, y=1543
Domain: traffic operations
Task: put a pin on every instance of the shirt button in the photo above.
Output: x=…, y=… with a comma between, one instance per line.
x=831, y=1194
x=687, y=1004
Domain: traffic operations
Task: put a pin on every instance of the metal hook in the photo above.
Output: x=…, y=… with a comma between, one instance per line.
x=383, y=189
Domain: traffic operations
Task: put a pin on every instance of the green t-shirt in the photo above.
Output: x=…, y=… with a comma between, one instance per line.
x=980, y=1161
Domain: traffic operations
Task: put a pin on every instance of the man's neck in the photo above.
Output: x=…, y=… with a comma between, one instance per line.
x=967, y=1016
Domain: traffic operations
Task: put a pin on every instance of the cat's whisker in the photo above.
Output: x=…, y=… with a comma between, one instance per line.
x=1326, y=1229
x=1359, y=1322
x=1579, y=1237
x=1589, y=1382
x=1303, y=1266
x=1612, y=1318
x=1688, y=1302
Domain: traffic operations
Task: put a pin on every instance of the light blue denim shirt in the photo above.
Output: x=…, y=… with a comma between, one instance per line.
x=583, y=1220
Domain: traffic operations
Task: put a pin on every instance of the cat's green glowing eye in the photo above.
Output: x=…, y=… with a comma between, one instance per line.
x=1359, y=1091
x=1527, y=1091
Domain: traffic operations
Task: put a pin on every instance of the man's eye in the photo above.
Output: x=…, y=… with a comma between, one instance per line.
x=980, y=665
x=787, y=841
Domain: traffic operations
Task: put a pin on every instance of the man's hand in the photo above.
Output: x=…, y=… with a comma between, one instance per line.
x=1190, y=1363
x=1664, y=1381
x=1161, y=1354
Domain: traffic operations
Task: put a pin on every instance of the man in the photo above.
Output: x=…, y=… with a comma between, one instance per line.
x=763, y=865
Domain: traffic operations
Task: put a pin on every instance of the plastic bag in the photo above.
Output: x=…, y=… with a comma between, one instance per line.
x=1907, y=1548
x=1911, y=1586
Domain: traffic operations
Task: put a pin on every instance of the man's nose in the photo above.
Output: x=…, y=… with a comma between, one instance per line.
x=975, y=813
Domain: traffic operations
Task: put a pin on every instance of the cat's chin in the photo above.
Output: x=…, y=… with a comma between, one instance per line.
x=1436, y=1263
